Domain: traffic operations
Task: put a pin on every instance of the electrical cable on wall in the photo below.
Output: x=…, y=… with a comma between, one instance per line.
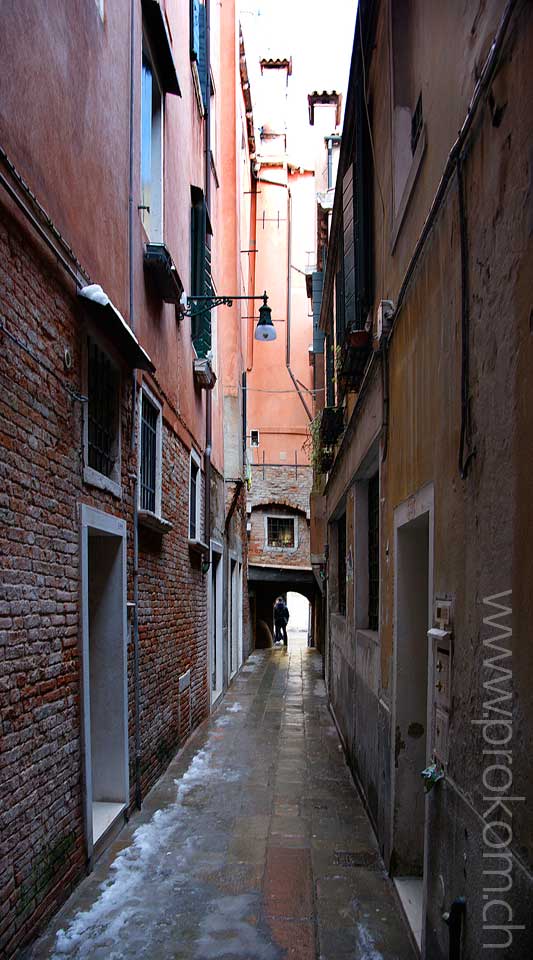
x=44, y=366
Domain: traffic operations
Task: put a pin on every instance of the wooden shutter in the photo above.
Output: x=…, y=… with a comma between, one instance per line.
x=202, y=55
x=317, y=282
x=348, y=249
x=362, y=211
x=195, y=29
x=203, y=342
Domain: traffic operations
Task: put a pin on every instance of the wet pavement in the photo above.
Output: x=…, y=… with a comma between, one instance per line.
x=253, y=846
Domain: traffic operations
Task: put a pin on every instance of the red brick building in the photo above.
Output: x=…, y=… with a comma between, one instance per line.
x=119, y=516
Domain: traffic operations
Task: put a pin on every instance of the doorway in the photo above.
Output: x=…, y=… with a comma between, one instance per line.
x=234, y=616
x=298, y=627
x=104, y=662
x=216, y=666
x=413, y=592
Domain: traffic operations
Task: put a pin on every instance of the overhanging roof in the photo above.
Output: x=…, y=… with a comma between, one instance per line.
x=112, y=324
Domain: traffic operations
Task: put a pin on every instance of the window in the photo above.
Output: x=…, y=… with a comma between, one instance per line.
x=151, y=149
x=341, y=564
x=102, y=411
x=254, y=438
x=357, y=202
x=102, y=420
x=407, y=118
x=281, y=533
x=195, y=491
x=150, y=454
x=373, y=553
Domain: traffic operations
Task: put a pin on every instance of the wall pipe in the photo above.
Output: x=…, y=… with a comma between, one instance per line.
x=134, y=430
x=208, y=399
x=289, y=287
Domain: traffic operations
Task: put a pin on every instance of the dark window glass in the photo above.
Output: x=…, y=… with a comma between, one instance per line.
x=280, y=531
x=193, y=518
x=373, y=553
x=102, y=411
x=149, y=417
x=341, y=563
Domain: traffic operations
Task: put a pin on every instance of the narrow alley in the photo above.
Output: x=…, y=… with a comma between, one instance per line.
x=253, y=845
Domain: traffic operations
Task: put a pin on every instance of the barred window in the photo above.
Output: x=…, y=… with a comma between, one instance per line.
x=194, y=500
x=102, y=411
x=149, y=452
x=280, y=532
x=373, y=553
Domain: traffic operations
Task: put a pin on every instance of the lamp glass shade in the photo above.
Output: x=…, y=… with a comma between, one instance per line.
x=265, y=328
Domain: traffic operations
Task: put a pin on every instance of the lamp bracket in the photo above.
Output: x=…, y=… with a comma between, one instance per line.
x=193, y=306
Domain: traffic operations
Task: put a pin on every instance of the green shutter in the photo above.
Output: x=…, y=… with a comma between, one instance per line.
x=202, y=56
x=317, y=281
x=195, y=29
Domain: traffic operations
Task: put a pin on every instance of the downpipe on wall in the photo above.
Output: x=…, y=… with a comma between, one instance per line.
x=134, y=434
x=289, y=291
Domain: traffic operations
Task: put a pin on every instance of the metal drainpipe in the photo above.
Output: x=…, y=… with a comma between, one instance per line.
x=288, y=347
x=208, y=399
x=134, y=434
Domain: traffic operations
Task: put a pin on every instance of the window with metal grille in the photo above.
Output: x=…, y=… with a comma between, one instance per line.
x=149, y=418
x=373, y=553
x=280, y=532
x=341, y=564
x=102, y=411
x=194, y=492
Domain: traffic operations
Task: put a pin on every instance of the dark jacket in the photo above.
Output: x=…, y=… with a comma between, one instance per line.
x=281, y=614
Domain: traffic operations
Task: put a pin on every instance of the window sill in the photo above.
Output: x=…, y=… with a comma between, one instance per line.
x=153, y=522
x=95, y=479
x=408, y=189
x=198, y=551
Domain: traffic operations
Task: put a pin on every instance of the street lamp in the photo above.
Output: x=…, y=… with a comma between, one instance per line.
x=193, y=306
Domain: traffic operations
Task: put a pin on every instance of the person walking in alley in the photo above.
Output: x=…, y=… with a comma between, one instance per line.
x=281, y=617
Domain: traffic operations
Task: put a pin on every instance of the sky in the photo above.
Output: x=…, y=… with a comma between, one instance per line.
x=317, y=35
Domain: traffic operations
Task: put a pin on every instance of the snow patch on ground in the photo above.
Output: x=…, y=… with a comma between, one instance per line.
x=236, y=708
x=123, y=894
x=367, y=945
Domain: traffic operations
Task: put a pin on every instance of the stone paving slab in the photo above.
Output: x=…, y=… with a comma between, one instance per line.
x=254, y=845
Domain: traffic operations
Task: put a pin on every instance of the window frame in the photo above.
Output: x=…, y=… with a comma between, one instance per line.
x=282, y=516
x=153, y=220
x=145, y=391
x=252, y=432
x=401, y=202
x=91, y=476
x=195, y=459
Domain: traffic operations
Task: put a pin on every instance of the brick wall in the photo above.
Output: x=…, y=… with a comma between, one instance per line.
x=279, y=491
x=42, y=842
